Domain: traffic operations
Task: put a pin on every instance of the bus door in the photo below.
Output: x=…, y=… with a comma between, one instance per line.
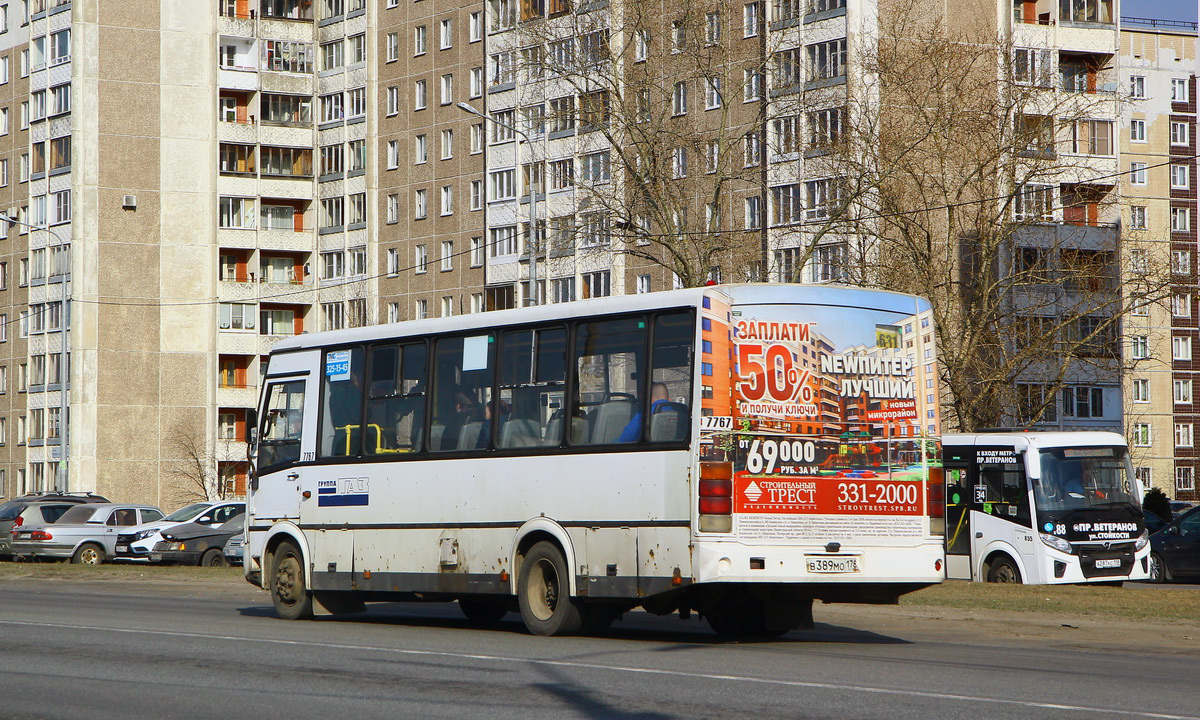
x=276, y=485
x=957, y=470
x=1000, y=511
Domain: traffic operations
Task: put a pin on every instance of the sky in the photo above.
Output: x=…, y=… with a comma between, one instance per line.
x=1160, y=9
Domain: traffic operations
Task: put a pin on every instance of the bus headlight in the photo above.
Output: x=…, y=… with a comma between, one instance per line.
x=1056, y=542
x=1142, y=541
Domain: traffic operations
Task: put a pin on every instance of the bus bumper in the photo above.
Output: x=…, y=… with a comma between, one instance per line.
x=736, y=562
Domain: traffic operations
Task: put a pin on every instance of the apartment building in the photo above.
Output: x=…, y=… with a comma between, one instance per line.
x=211, y=179
x=1158, y=148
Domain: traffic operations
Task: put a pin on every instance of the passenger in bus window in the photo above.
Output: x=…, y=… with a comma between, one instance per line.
x=465, y=411
x=633, y=431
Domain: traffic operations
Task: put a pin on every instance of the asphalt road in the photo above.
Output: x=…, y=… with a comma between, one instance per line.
x=118, y=650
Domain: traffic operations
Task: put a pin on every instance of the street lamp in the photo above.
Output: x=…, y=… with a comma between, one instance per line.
x=532, y=298
x=63, y=476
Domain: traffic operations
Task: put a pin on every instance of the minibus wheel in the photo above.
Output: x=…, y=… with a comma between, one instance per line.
x=544, y=593
x=289, y=593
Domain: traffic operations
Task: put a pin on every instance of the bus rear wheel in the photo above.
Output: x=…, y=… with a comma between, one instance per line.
x=1004, y=570
x=483, y=612
x=545, y=593
x=289, y=594
x=743, y=621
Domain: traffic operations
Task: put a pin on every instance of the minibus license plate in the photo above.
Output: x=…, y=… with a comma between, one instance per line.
x=832, y=564
x=1110, y=563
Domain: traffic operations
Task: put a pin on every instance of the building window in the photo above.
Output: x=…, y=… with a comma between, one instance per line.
x=1179, y=177
x=679, y=98
x=420, y=150
x=393, y=208
x=1137, y=217
x=1185, y=481
x=1183, y=435
x=1183, y=391
x=503, y=185
x=1141, y=434
x=447, y=196
x=827, y=60
x=420, y=205
x=447, y=89
x=476, y=26
x=1181, y=262
x=643, y=284
x=393, y=100
x=477, y=252
x=1137, y=130
x=1083, y=402
x=447, y=255
x=392, y=47
x=445, y=34
x=1141, y=390
x=420, y=36
x=504, y=241
x=750, y=19
x=420, y=99
x=1181, y=219
x=1137, y=87
x=393, y=262
x=1179, y=90
x=1181, y=347
x=1139, y=347
x=1179, y=133
x=596, y=284
x=420, y=259
x=393, y=154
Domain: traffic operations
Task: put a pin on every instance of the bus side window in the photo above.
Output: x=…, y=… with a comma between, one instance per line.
x=671, y=370
x=1007, y=494
x=396, y=399
x=462, y=392
x=532, y=376
x=610, y=367
x=342, y=393
x=282, y=426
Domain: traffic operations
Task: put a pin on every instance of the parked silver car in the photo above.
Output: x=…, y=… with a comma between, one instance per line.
x=13, y=512
x=83, y=534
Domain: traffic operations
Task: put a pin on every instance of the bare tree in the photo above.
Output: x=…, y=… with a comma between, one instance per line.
x=979, y=180
x=205, y=474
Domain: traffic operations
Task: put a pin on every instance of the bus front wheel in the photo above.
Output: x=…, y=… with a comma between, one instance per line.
x=289, y=593
x=545, y=593
x=1003, y=570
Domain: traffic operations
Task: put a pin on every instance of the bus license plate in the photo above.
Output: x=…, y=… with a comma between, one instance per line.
x=1111, y=563
x=832, y=564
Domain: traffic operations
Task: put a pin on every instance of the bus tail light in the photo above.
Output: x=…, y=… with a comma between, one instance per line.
x=935, y=502
x=716, y=497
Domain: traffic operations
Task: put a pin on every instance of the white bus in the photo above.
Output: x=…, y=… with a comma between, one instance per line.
x=1043, y=507
x=735, y=451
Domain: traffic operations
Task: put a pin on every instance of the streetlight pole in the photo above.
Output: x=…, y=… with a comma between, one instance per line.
x=535, y=246
x=62, y=482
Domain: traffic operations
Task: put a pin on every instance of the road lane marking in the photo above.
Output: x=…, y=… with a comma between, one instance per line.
x=621, y=668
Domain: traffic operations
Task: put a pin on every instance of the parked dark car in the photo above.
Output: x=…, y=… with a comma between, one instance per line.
x=197, y=544
x=1175, y=550
x=1179, y=507
x=1153, y=522
x=49, y=507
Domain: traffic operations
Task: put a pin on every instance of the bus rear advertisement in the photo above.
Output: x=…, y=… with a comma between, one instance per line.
x=735, y=451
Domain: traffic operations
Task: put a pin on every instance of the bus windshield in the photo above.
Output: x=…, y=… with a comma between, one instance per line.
x=1084, y=478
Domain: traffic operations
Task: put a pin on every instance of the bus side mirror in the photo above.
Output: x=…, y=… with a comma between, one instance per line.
x=251, y=426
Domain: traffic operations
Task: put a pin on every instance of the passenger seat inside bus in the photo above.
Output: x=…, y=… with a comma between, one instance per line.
x=609, y=419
